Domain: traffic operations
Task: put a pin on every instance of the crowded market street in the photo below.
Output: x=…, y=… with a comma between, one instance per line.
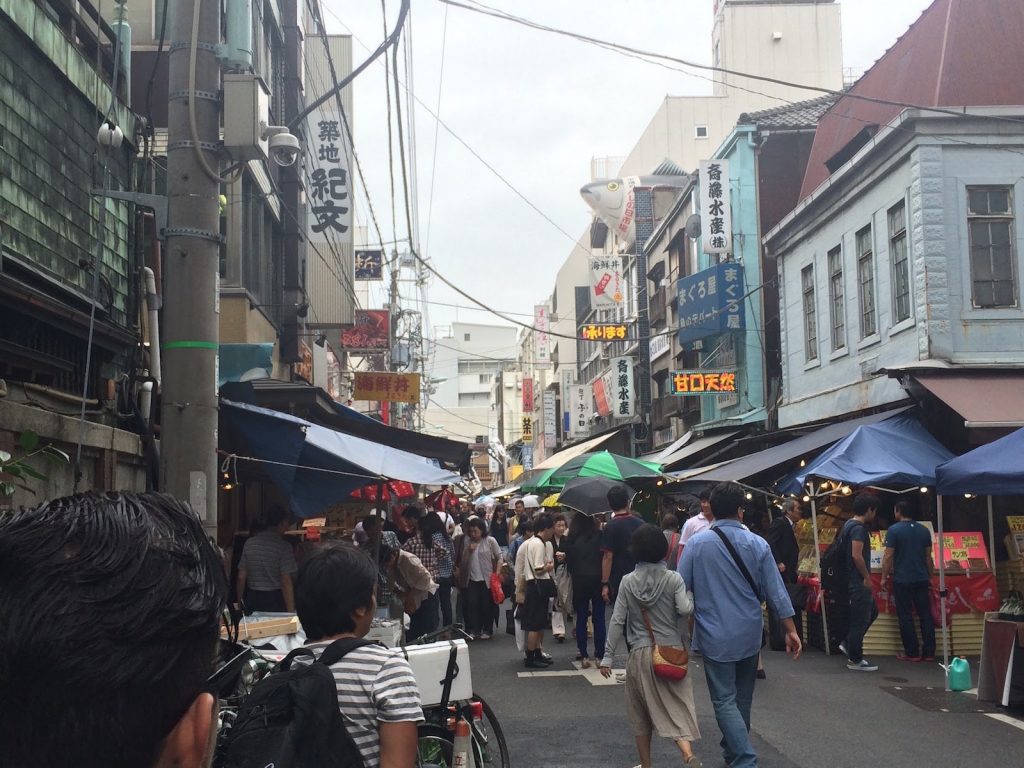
x=807, y=714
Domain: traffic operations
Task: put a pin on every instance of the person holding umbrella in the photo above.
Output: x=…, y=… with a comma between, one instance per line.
x=583, y=559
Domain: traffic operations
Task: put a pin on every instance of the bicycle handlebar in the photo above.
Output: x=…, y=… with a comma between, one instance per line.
x=453, y=629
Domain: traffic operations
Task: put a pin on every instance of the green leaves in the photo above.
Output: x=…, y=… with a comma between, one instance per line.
x=15, y=471
x=29, y=441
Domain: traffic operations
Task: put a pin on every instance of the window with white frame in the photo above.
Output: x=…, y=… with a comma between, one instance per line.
x=990, y=229
x=810, y=314
x=836, y=299
x=900, y=260
x=866, y=278
x=700, y=131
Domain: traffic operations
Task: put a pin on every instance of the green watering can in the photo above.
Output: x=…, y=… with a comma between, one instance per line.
x=959, y=674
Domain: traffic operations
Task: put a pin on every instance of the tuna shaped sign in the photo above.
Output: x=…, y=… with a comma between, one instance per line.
x=614, y=201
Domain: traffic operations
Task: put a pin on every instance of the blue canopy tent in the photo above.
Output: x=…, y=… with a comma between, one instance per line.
x=897, y=451
x=316, y=467
x=994, y=469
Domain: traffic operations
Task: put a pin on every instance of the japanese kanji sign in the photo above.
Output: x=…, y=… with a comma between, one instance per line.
x=582, y=403
x=329, y=192
x=389, y=387
x=711, y=302
x=370, y=333
x=605, y=281
x=715, y=206
x=527, y=434
x=369, y=265
x=599, y=332
x=622, y=390
x=542, y=322
x=550, y=419
x=602, y=395
x=702, y=382
x=527, y=395
x=568, y=381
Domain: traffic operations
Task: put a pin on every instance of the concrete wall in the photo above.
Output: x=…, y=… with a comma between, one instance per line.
x=111, y=458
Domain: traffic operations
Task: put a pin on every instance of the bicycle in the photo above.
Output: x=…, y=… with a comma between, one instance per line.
x=437, y=733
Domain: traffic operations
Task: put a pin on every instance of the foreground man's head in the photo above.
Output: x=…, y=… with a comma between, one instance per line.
x=109, y=612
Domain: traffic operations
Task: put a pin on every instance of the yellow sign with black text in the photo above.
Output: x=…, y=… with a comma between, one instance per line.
x=387, y=387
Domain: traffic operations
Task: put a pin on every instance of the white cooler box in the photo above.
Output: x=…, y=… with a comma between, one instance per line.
x=430, y=663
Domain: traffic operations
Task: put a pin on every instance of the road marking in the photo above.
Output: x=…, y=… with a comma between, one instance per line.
x=592, y=675
x=552, y=673
x=1006, y=719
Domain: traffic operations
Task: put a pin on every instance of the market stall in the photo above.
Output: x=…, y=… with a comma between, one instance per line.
x=898, y=455
x=995, y=469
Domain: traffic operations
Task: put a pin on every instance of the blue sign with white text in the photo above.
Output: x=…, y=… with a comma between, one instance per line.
x=711, y=302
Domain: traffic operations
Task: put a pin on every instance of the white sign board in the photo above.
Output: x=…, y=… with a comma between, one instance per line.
x=582, y=409
x=659, y=345
x=606, y=287
x=542, y=322
x=550, y=420
x=621, y=392
x=715, y=206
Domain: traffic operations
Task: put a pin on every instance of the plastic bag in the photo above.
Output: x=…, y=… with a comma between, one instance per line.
x=497, y=591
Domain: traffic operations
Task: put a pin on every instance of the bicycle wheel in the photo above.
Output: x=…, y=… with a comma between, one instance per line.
x=435, y=747
x=489, y=747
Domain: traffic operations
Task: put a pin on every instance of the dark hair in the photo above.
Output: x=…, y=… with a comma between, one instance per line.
x=428, y=525
x=526, y=525
x=559, y=517
x=581, y=525
x=476, y=522
x=864, y=503
x=648, y=544
x=618, y=497
x=705, y=495
x=500, y=509
x=726, y=500
x=111, y=605
x=332, y=583
x=669, y=522
x=542, y=522
x=519, y=501
x=371, y=523
x=271, y=518
x=905, y=508
x=412, y=511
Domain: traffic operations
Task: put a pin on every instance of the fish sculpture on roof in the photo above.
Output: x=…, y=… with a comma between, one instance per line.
x=614, y=200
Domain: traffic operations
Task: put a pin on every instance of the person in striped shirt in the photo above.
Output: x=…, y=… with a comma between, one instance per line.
x=377, y=692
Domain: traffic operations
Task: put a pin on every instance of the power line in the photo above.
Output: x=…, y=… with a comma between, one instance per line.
x=457, y=415
x=437, y=128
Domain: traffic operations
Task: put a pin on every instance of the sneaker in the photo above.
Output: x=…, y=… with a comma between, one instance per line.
x=620, y=677
x=842, y=649
x=693, y=762
x=547, y=658
x=906, y=657
x=927, y=658
x=862, y=666
x=484, y=636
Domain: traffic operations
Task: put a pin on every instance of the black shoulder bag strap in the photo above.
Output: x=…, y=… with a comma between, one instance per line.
x=739, y=563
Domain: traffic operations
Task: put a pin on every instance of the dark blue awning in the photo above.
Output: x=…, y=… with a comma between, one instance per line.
x=996, y=469
x=316, y=467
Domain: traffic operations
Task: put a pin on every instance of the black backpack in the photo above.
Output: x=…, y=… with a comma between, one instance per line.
x=834, y=565
x=291, y=719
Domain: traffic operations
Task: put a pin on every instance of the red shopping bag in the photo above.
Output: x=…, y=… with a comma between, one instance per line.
x=497, y=592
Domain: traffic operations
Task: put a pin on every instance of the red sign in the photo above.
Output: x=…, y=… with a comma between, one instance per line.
x=528, y=395
x=601, y=399
x=963, y=550
x=371, y=331
x=975, y=592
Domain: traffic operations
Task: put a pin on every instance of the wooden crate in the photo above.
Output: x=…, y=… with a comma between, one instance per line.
x=1009, y=575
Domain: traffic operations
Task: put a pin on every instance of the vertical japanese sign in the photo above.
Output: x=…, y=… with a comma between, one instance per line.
x=330, y=204
x=605, y=281
x=527, y=395
x=622, y=394
x=369, y=265
x=602, y=395
x=542, y=322
x=568, y=381
x=582, y=407
x=715, y=208
x=550, y=419
x=527, y=433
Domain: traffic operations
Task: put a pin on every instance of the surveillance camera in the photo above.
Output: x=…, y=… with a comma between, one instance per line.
x=284, y=148
x=110, y=134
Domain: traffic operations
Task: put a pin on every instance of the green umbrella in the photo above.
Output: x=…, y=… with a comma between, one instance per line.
x=540, y=481
x=603, y=464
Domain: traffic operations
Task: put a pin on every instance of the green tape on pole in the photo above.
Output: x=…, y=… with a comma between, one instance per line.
x=190, y=345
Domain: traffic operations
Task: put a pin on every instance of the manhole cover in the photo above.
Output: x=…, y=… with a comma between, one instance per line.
x=897, y=679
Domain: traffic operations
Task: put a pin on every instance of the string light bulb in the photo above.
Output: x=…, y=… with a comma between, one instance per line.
x=924, y=489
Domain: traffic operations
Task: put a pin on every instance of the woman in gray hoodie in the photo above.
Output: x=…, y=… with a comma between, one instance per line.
x=653, y=704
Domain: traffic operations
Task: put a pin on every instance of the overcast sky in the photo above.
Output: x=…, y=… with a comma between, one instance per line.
x=537, y=107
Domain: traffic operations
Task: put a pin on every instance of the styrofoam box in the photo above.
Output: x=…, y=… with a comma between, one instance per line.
x=429, y=664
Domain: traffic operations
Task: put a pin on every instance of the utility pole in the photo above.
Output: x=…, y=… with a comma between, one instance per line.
x=392, y=329
x=188, y=425
x=501, y=419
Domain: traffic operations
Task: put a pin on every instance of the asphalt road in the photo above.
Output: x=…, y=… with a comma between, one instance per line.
x=807, y=714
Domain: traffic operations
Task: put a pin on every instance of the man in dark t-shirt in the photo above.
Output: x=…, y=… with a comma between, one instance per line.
x=616, y=558
x=908, y=562
x=863, y=610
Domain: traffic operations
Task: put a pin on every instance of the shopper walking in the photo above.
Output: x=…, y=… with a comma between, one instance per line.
x=781, y=537
x=428, y=545
x=863, y=611
x=907, y=563
x=651, y=602
x=499, y=528
x=699, y=522
x=480, y=559
x=538, y=567
x=583, y=560
x=731, y=572
x=670, y=527
x=445, y=573
x=615, y=538
x=562, y=614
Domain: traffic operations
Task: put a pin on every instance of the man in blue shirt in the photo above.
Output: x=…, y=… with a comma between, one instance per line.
x=727, y=613
x=907, y=560
x=863, y=611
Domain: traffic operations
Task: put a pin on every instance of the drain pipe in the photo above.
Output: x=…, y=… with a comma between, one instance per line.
x=152, y=310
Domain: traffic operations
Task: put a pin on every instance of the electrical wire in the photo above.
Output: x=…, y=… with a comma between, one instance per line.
x=437, y=129
x=156, y=65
